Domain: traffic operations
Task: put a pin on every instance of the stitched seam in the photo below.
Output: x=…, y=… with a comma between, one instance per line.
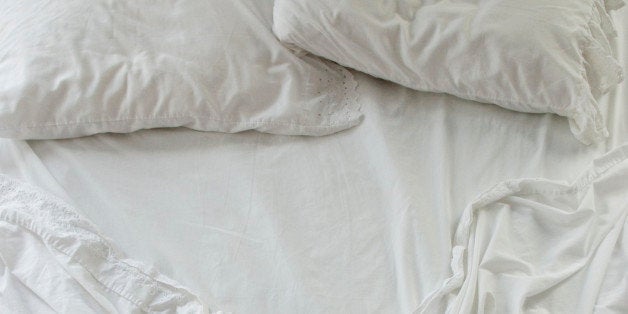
x=46, y=236
x=76, y=226
x=233, y=122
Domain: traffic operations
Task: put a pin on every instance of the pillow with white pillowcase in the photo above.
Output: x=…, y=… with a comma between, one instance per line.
x=537, y=56
x=72, y=68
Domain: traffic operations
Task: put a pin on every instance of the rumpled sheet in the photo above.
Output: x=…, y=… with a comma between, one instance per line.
x=359, y=222
x=527, y=245
x=541, y=246
x=54, y=261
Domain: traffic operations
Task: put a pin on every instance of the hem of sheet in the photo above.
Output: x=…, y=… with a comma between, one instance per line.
x=62, y=229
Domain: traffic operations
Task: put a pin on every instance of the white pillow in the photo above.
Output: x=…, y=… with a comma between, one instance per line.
x=534, y=56
x=73, y=67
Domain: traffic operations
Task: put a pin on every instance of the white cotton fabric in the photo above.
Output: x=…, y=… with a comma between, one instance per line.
x=320, y=225
x=71, y=68
x=541, y=56
x=536, y=245
x=53, y=261
x=362, y=221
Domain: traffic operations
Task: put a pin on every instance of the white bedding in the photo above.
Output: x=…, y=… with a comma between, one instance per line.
x=361, y=221
x=534, y=56
x=54, y=261
x=75, y=68
x=533, y=245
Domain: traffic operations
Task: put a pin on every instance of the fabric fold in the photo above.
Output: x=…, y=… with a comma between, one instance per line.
x=527, y=244
x=50, y=234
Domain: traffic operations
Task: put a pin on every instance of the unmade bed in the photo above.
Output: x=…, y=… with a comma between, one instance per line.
x=432, y=203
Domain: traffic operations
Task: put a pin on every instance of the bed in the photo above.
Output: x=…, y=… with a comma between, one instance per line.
x=368, y=220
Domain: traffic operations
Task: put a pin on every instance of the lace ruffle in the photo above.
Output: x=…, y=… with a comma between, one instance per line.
x=62, y=229
x=600, y=73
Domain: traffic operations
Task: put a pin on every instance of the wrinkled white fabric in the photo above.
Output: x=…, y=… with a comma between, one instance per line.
x=70, y=68
x=532, y=56
x=361, y=221
x=612, y=297
x=539, y=246
x=53, y=261
x=248, y=220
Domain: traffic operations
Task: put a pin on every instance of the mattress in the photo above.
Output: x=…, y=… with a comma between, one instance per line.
x=361, y=221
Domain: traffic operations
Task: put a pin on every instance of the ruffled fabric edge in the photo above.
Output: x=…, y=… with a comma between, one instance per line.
x=61, y=228
x=461, y=238
x=345, y=105
x=601, y=72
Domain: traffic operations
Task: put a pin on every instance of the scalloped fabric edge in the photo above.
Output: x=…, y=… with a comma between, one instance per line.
x=61, y=228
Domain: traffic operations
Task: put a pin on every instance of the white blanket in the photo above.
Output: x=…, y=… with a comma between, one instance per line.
x=53, y=261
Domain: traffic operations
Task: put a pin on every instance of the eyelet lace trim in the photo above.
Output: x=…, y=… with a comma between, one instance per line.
x=60, y=227
x=334, y=89
x=600, y=72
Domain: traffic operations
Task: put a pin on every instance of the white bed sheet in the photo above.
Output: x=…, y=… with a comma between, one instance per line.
x=361, y=221
x=52, y=260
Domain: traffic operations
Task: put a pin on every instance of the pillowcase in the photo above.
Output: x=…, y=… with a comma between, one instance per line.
x=538, y=56
x=71, y=68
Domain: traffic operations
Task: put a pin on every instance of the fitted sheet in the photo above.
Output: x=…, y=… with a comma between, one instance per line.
x=361, y=221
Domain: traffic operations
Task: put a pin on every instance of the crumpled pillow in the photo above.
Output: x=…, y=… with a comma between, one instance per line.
x=72, y=68
x=536, y=56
